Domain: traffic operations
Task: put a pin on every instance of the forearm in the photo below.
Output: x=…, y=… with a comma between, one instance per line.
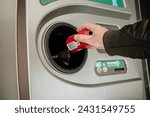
x=130, y=41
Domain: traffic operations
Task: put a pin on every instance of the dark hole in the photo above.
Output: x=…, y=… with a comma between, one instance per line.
x=59, y=55
x=119, y=69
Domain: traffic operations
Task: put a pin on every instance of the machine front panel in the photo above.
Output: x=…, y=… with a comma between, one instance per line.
x=55, y=73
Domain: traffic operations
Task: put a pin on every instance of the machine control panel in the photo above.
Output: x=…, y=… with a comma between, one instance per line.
x=109, y=67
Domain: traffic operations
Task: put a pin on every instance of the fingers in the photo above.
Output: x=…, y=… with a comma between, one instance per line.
x=89, y=47
x=89, y=26
x=96, y=39
x=83, y=38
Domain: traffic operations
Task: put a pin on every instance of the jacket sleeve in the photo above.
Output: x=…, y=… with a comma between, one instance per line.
x=130, y=41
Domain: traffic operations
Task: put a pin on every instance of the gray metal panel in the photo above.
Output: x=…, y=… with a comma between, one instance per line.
x=8, y=50
x=45, y=85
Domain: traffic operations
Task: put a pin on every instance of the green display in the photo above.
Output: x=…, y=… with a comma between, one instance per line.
x=116, y=3
x=44, y=2
x=109, y=2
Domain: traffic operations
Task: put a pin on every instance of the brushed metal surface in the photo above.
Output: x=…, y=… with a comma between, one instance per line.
x=48, y=83
x=8, y=50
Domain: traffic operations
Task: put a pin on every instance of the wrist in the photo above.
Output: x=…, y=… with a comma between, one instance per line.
x=101, y=43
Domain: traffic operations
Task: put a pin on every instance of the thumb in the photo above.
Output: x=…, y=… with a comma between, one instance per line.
x=82, y=38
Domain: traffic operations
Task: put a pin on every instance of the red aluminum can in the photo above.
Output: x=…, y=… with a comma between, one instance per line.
x=74, y=45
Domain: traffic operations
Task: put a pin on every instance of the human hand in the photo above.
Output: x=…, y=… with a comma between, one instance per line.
x=96, y=39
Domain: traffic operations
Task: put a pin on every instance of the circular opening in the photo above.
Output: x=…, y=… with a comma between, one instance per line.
x=57, y=52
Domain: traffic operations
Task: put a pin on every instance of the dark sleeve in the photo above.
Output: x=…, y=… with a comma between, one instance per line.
x=130, y=41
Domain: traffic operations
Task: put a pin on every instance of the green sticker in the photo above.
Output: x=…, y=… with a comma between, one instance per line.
x=117, y=64
x=111, y=63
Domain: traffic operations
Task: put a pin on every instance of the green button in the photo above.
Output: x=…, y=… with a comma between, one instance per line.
x=44, y=2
